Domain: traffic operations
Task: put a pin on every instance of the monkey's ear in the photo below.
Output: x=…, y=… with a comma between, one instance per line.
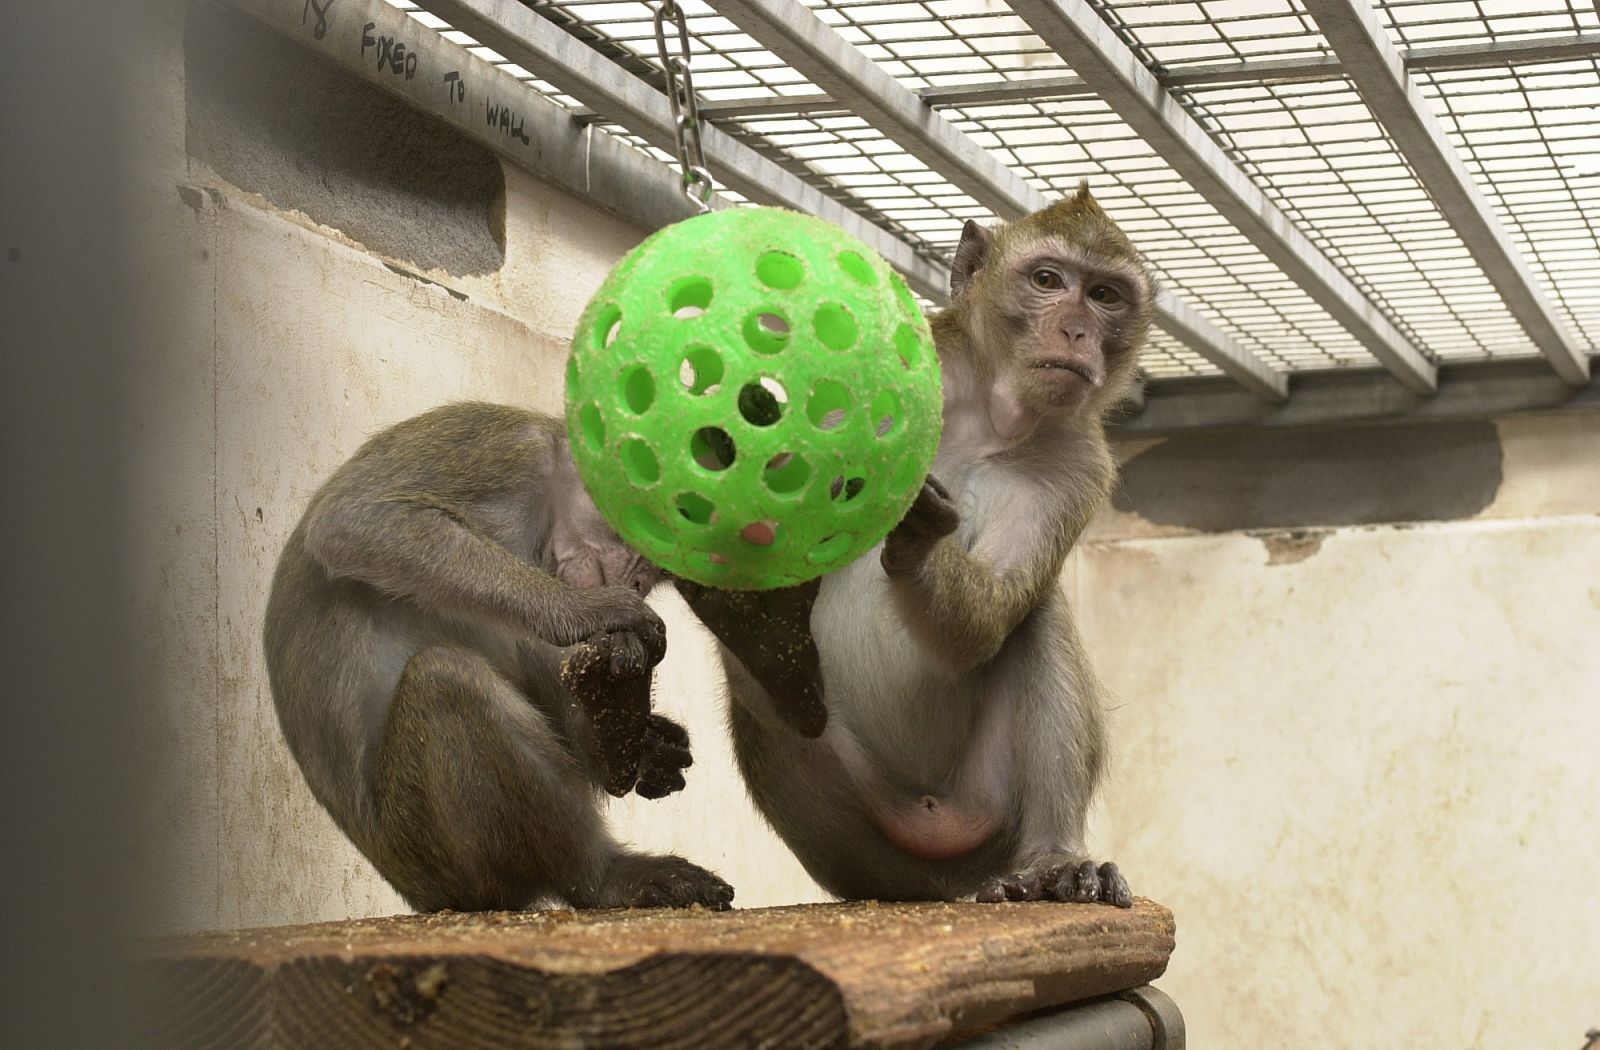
x=971, y=254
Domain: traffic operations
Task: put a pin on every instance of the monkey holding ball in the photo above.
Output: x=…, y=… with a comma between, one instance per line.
x=950, y=729
x=417, y=642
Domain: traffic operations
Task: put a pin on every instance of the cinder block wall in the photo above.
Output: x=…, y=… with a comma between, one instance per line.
x=1358, y=694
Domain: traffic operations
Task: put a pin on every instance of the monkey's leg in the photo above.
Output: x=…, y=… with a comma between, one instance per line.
x=480, y=805
x=1057, y=759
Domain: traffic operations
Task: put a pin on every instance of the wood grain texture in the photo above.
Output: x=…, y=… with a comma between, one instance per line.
x=811, y=976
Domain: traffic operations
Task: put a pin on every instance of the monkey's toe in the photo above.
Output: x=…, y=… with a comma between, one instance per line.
x=1080, y=883
x=672, y=882
x=666, y=756
x=1087, y=883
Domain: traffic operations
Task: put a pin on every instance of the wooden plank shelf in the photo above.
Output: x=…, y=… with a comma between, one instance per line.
x=811, y=976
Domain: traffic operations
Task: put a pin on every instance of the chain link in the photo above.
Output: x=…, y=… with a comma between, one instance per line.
x=697, y=184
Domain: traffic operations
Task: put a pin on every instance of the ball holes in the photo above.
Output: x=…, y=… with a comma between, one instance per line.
x=828, y=404
x=857, y=267
x=689, y=297
x=701, y=371
x=885, y=413
x=763, y=533
x=780, y=270
x=695, y=508
x=640, y=522
x=606, y=325
x=707, y=563
x=712, y=448
x=845, y=490
x=766, y=332
x=572, y=371
x=762, y=403
x=639, y=461
x=786, y=474
x=908, y=345
x=592, y=426
x=830, y=549
x=638, y=389
x=834, y=326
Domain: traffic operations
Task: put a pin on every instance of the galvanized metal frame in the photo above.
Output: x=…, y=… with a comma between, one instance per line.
x=620, y=177
x=556, y=56
x=1479, y=390
x=1375, y=66
x=850, y=78
x=1079, y=35
x=1258, y=71
x=545, y=139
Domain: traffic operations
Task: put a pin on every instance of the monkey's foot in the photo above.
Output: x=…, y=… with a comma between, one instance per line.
x=666, y=756
x=769, y=632
x=618, y=707
x=1080, y=883
x=665, y=882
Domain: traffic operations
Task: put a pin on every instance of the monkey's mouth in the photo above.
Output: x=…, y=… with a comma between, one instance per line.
x=1056, y=364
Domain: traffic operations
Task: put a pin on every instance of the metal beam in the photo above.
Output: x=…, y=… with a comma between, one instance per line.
x=1185, y=324
x=849, y=77
x=1258, y=71
x=459, y=88
x=550, y=53
x=1476, y=390
x=1374, y=66
x=1079, y=35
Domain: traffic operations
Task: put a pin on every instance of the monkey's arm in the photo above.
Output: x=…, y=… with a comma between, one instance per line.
x=401, y=517
x=963, y=604
x=413, y=545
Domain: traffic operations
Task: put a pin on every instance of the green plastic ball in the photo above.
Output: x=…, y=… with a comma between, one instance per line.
x=753, y=398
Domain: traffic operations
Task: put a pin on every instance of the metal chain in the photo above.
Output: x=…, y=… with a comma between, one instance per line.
x=697, y=184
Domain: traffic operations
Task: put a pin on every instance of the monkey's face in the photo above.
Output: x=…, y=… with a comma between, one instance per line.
x=1056, y=305
x=588, y=553
x=1070, y=314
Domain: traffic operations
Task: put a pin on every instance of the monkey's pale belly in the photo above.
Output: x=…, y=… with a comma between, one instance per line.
x=904, y=729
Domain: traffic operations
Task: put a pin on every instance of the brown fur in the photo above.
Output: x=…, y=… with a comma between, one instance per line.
x=415, y=638
x=964, y=737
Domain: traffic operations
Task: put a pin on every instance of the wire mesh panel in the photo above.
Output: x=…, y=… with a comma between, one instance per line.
x=1262, y=82
x=1530, y=135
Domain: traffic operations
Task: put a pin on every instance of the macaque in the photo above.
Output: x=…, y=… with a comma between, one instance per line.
x=949, y=722
x=460, y=654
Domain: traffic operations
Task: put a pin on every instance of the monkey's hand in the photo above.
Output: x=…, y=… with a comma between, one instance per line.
x=618, y=707
x=1081, y=882
x=666, y=756
x=638, y=638
x=769, y=632
x=932, y=517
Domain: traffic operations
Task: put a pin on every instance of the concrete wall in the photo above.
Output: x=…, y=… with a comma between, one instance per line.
x=1357, y=716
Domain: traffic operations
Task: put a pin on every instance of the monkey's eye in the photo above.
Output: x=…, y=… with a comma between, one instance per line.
x=1105, y=295
x=1049, y=280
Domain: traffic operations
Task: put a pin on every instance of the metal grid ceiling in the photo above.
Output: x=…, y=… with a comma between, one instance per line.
x=1261, y=80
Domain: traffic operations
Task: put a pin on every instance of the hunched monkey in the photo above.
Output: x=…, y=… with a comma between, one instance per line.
x=950, y=723
x=415, y=638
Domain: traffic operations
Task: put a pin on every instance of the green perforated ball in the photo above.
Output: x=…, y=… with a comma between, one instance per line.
x=753, y=398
